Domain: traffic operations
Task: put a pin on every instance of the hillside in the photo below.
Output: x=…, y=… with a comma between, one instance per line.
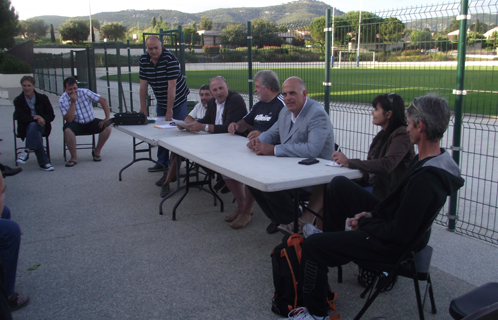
x=295, y=12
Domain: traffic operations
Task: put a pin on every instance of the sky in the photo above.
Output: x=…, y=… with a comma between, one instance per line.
x=32, y=8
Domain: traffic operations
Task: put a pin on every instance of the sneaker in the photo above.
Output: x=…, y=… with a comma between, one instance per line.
x=157, y=168
x=47, y=167
x=310, y=229
x=23, y=157
x=302, y=314
x=8, y=171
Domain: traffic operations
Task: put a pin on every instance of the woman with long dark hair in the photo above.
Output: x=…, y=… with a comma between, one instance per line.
x=391, y=151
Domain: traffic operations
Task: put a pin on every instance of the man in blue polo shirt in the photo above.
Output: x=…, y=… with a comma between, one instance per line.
x=160, y=69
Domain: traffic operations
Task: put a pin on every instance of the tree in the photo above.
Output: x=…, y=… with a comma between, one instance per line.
x=9, y=26
x=113, y=31
x=191, y=34
x=264, y=33
x=34, y=28
x=153, y=22
x=75, y=30
x=52, y=33
x=206, y=23
x=234, y=35
x=392, y=29
x=422, y=39
x=370, y=24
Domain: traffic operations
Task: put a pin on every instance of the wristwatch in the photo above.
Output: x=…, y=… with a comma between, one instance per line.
x=206, y=128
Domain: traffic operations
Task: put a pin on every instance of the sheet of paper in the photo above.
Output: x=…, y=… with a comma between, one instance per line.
x=333, y=164
x=165, y=126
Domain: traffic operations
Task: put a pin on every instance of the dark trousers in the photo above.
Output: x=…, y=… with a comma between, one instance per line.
x=179, y=113
x=34, y=141
x=278, y=206
x=10, y=241
x=331, y=249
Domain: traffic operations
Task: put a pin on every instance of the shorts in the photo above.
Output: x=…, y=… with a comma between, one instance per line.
x=79, y=129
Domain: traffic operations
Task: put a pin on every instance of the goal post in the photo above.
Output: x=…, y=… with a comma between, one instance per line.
x=348, y=59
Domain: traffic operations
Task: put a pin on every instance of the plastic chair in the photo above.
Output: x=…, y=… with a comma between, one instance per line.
x=18, y=150
x=414, y=265
x=476, y=304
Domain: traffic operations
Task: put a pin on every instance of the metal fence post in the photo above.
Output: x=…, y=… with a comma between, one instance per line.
x=459, y=92
x=181, y=35
x=107, y=76
x=249, y=62
x=71, y=59
x=120, y=84
x=129, y=75
x=326, y=83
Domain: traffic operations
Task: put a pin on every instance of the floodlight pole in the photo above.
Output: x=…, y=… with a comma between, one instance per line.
x=90, y=14
x=359, y=36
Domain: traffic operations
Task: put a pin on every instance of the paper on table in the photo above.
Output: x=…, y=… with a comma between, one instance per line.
x=156, y=118
x=165, y=126
x=333, y=164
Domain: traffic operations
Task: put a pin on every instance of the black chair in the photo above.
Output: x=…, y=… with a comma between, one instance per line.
x=86, y=145
x=414, y=265
x=18, y=150
x=480, y=303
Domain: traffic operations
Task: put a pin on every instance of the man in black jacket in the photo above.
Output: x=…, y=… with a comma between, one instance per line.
x=382, y=230
x=33, y=112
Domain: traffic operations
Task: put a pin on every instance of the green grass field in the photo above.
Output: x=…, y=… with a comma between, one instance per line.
x=362, y=85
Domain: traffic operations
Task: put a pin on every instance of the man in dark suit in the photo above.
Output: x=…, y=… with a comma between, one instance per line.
x=226, y=107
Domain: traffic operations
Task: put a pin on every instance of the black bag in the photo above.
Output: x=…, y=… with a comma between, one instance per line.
x=286, y=260
x=127, y=118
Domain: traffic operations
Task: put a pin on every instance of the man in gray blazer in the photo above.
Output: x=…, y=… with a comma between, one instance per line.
x=303, y=130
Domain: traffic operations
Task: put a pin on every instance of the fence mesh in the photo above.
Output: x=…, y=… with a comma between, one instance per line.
x=411, y=51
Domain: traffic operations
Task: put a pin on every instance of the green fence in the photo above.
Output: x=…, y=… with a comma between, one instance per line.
x=411, y=51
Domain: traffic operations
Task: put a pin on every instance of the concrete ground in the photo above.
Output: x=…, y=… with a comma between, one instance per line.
x=94, y=247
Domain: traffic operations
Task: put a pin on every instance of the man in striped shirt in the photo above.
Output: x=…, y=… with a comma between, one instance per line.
x=160, y=69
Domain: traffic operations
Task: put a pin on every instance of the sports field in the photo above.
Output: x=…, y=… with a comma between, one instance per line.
x=361, y=85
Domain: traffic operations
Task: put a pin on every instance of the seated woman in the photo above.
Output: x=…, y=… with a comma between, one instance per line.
x=33, y=112
x=389, y=156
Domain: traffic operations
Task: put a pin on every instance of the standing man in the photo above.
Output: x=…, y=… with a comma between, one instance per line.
x=77, y=110
x=261, y=117
x=382, y=230
x=225, y=107
x=160, y=69
x=303, y=130
x=33, y=112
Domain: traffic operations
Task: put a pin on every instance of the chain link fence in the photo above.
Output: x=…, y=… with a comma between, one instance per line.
x=411, y=51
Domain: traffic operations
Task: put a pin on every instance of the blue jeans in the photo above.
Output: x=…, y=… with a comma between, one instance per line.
x=34, y=141
x=180, y=112
x=10, y=241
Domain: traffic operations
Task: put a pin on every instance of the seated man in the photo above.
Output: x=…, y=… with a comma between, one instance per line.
x=303, y=130
x=10, y=241
x=226, y=107
x=382, y=230
x=33, y=112
x=77, y=110
x=261, y=117
x=197, y=113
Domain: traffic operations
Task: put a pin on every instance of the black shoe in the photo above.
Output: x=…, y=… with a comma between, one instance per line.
x=225, y=190
x=165, y=190
x=8, y=171
x=157, y=168
x=272, y=228
x=160, y=182
x=219, y=185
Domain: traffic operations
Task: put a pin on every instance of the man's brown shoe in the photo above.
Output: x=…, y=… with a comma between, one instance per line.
x=232, y=216
x=240, y=222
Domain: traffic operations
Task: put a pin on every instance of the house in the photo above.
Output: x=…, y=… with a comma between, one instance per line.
x=490, y=32
x=96, y=32
x=287, y=36
x=211, y=37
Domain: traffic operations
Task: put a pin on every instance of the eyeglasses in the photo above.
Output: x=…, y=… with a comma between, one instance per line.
x=390, y=97
x=419, y=112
